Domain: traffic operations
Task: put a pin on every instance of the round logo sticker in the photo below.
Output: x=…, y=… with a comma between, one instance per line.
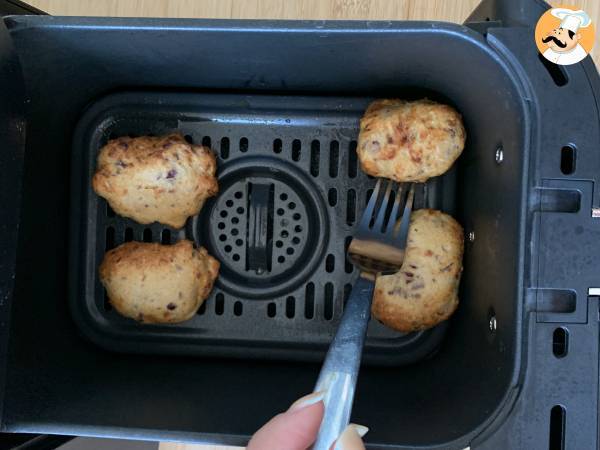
x=564, y=35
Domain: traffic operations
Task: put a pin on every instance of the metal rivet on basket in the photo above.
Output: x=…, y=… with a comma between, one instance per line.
x=493, y=324
x=499, y=155
x=471, y=236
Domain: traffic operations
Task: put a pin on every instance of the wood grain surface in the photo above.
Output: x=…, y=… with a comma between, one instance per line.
x=445, y=10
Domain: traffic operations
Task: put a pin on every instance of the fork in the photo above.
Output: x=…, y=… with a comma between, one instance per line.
x=377, y=246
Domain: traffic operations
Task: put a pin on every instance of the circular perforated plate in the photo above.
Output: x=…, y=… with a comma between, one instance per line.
x=268, y=227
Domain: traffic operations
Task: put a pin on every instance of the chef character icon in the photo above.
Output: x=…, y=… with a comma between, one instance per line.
x=563, y=42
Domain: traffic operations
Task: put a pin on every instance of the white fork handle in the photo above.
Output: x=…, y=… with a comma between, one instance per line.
x=340, y=369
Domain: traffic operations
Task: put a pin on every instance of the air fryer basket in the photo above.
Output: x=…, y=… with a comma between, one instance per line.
x=289, y=162
x=518, y=363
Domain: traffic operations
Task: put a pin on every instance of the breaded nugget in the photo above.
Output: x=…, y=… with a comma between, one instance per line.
x=154, y=283
x=161, y=179
x=424, y=292
x=409, y=141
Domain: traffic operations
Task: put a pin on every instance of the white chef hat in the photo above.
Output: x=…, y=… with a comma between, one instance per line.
x=571, y=20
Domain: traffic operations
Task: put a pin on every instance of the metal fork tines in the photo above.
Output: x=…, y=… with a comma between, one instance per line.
x=378, y=245
x=379, y=242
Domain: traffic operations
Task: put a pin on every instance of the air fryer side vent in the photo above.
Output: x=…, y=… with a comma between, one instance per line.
x=296, y=150
x=334, y=155
x=351, y=207
x=219, y=304
x=558, y=419
x=309, y=301
x=243, y=145
x=352, y=160
x=238, y=308
x=224, y=148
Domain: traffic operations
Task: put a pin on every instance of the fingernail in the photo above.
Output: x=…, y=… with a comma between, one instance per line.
x=307, y=400
x=350, y=439
x=360, y=429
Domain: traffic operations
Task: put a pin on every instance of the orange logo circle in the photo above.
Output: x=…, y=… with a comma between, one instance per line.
x=564, y=35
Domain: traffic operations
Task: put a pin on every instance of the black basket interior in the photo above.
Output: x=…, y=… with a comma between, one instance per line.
x=288, y=163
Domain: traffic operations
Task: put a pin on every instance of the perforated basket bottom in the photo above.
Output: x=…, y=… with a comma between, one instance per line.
x=291, y=192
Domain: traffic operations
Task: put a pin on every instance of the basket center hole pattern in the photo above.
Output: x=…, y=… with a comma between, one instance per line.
x=261, y=225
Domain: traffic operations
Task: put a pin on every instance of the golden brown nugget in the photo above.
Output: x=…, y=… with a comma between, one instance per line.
x=424, y=292
x=409, y=141
x=154, y=283
x=162, y=179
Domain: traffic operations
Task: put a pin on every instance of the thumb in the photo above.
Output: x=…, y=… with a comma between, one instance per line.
x=295, y=429
x=351, y=438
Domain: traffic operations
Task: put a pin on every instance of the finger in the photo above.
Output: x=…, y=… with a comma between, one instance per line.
x=295, y=429
x=307, y=400
x=350, y=439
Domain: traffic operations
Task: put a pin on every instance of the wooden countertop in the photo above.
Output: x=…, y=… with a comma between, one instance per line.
x=445, y=10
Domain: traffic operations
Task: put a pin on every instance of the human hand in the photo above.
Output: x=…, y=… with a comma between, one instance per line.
x=297, y=428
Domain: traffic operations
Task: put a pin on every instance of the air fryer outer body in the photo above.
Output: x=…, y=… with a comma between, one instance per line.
x=529, y=267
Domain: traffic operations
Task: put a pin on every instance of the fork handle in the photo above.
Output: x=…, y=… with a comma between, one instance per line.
x=340, y=368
